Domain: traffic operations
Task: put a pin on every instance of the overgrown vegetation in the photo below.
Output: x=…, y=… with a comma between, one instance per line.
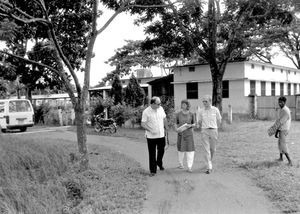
x=44, y=178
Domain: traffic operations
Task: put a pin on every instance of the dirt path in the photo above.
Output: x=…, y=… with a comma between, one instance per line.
x=177, y=191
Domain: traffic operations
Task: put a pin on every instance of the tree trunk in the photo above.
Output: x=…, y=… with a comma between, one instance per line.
x=217, y=73
x=81, y=136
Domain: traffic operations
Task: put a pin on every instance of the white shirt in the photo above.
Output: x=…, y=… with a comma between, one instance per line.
x=154, y=118
x=209, y=117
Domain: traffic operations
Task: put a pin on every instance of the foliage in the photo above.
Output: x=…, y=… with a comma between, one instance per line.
x=168, y=105
x=134, y=95
x=116, y=91
x=40, y=112
x=121, y=113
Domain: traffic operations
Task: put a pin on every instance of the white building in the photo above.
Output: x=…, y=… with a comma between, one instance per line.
x=240, y=80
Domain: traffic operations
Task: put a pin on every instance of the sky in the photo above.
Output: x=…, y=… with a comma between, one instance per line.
x=121, y=29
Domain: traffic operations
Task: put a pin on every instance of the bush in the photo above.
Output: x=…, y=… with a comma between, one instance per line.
x=122, y=113
x=40, y=112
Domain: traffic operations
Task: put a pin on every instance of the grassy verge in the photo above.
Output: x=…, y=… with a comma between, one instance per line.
x=244, y=145
x=44, y=179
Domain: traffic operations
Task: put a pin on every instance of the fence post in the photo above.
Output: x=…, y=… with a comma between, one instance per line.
x=252, y=106
x=60, y=117
x=229, y=114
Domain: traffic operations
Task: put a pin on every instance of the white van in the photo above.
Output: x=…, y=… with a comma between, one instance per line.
x=16, y=114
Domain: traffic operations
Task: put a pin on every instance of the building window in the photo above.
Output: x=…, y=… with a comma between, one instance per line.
x=289, y=88
x=192, y=90
x=139, y=81
x=273, y=88
x=252, y=66
x=295, y=88
x=281, y=89
x=281, y=70
x=252, y=87
x=191, y=69
x=262, y=67
x=295, y=72
x=273, y=69
x=225, y=92
x=263, y=88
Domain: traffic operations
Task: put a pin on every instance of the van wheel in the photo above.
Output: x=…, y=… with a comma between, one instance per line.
x=23, y=129
x=3, y=130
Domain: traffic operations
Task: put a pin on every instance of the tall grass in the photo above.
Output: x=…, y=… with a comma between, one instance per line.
x=38, y=177
x=28, y=177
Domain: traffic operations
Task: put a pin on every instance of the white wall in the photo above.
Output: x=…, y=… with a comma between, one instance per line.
x=239, y=75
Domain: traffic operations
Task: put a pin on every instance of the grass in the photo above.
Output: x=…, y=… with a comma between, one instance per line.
x=245, y=145
x=41, y=178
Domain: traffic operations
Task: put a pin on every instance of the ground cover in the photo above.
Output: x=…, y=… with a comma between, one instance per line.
x=43, y=178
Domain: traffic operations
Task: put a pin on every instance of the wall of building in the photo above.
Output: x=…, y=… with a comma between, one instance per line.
x=239, y=75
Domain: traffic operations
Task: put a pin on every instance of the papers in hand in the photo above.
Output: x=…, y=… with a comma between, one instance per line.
x=183, y=127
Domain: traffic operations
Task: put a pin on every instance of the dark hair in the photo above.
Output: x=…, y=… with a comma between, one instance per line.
x=283, y=99
x=188, y=105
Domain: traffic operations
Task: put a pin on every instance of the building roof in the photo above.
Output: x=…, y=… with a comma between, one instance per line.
x=243, y=61
x=158, y=80
x=143, y=85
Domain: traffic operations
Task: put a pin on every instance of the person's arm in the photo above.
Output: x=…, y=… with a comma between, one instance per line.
x=283, y=117
x=144, y=122
x=146, y=127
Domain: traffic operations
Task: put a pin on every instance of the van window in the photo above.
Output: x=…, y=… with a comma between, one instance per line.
x=1, y=107
x=19, y=106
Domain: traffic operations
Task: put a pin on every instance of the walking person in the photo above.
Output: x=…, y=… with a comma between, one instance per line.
x=209, y=120
x=155, y=123
x=281, y=127
x=185, y=122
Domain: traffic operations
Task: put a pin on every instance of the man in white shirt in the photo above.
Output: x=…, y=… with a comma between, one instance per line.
x=285, y=123
x=209, y=120
x=154, y=122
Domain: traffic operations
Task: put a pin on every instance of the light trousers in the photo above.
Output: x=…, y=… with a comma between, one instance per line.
x=189, y=158
x=209, y=142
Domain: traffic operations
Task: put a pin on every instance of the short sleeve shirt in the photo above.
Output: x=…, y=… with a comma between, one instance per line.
x=285, y=118
x=209, y=117
x=154, y=118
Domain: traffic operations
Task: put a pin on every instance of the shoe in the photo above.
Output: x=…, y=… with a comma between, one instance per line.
x=152, y=174
x=161, y=168
x=279, y=159
x=208, y=171
x=290, y=163
x=189, y=170
x=180, y=167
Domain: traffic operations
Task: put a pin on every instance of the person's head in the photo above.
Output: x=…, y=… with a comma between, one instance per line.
x=185, y=105
x=206, y=101
x=155, y=102
x=281, y=102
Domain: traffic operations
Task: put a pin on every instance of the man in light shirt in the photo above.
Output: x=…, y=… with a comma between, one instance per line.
x=154, y=122
x=284, y=122
x=209, y=120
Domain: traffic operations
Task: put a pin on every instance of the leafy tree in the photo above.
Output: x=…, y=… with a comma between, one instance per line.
x=289, y=41
x=116, y=91
x=134, y=95
x=70, y=28
x=216, y=36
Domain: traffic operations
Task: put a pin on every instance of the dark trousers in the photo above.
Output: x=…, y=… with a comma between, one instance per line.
x=153, y=144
